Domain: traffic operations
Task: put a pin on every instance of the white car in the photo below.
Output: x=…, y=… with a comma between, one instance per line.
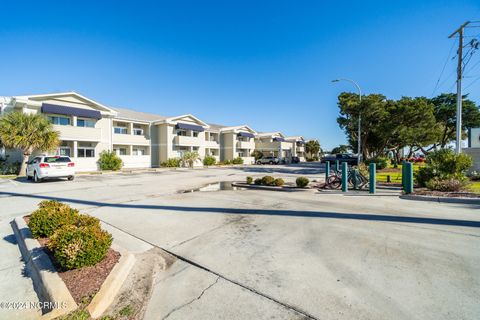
x=45, y=167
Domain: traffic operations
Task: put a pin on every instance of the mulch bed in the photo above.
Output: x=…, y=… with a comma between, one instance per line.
x=426, y=192
x=85, y=282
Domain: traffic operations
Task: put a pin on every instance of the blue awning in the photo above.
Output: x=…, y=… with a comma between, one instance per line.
x=246, y=134
x=279, y=139
x=187, y=126
x=70, y=111
x=300, y=142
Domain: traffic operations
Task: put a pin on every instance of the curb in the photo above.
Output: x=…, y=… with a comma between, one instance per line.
x=47, y=283
x=112, y=284
x=441, y=199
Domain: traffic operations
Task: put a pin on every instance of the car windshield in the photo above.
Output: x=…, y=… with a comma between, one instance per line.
x=56, y=159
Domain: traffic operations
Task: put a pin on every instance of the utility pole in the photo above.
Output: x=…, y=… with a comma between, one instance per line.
x=458, y=146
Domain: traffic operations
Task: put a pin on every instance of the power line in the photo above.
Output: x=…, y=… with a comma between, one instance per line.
x=472, y=83
x=443, y=69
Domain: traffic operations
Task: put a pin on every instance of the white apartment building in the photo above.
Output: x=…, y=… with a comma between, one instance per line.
x=298, y=146
x=140, y=139
x=474, y=147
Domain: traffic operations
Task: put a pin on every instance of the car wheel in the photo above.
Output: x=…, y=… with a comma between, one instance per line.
x=259, y=162
x=271, y=162
x=70, y=178
x=36, y=178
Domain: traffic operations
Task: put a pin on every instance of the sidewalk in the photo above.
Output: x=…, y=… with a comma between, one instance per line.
x=15, y=286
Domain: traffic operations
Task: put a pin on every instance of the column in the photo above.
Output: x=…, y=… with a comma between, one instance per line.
x=131, y=127
x=75, y=151
x=131, y=150
x=74, y=120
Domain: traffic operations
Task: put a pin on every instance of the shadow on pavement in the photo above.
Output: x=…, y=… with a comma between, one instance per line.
x=293, y=213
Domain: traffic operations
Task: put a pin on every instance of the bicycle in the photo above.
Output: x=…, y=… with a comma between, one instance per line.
x=357, y=179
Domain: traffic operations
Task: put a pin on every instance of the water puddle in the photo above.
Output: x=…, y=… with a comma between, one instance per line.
x=217, y=186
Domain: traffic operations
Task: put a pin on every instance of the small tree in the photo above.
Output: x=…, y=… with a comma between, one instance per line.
x=209, y=160
x=189, y=158
x=257, y=154
x=27, y=132
x=109, y=160
x=312, y=147
x=343, y=148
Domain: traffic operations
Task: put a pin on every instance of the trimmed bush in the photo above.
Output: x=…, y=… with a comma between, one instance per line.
x=249, y=180
x=258, y=181
x=381, y=162
x=76, y=247
x=446, y=185
x=302, y=182
x=237, y=160
x=227, y=162
x=278, y=182
x=109, y=161
x=171, y=163
x=268, y=180
x=209, y=161
x=84, y=220
x=49, y=217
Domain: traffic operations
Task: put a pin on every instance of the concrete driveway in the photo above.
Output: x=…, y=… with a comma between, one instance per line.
x=260, y=254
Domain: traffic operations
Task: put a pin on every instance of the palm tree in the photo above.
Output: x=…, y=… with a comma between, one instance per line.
x=189, y=158
x=312, y=147
x=27, y=132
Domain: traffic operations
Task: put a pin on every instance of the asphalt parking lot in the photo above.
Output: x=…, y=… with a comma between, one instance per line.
x=262, y=254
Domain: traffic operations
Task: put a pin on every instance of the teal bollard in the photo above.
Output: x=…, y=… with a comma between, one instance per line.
x=337, y=166
x=408, y=177
x=403, y=174
x=327, y=170
x=373, y=178
x=344, y=177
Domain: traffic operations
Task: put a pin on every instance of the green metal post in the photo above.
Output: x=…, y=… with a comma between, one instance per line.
x=373, y=178
x=327, y=170
x=403, y=174
x=337, y=166
x=344, y=177
x=408, y=177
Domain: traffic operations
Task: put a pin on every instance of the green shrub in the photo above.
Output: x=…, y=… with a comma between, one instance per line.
x=76, y=247
x=258, y=181
x=171, y=163
x=9, y=167
x=49, y=217
x=381, y=162
x=278, y=182
x=302, y=182
x=84, y=220
x=257, y=154
x=446, y=185
x=268, y=180
x=249, y=180
x=189, y=158
x=237, y=160
x=209, y=161
x=109, y=161
x=443, y=164
x=227, y=162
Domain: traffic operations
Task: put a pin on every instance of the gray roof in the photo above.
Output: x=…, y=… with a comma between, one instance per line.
x=136, y=115
x=216, y=127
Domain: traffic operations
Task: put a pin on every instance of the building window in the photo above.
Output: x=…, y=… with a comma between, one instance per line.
x=64, y=151
x=88, y=123
x=195, y=149
x=195, y=133
x=85, y=150
x=61, y=121
x=181, y=133
x=138, y=152
x=120, y=130
x=120, y=151
x=137, y=132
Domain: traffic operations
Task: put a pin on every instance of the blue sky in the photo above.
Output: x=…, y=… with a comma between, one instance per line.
x=264, y=63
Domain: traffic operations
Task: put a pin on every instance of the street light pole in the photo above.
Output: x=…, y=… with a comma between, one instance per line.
x=359, y=148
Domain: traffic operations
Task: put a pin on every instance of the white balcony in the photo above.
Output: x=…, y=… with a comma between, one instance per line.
x=186, y=141
x=245, y=144
x=79, y=133
x=212, y=144
x=130, y=139
x=300, y=149
x=286, y=145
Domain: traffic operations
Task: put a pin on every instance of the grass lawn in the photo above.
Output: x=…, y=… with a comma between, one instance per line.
x=394, y=173
x=475, y=187
x=7, y=176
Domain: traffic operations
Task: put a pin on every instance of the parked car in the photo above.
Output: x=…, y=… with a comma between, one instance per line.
x=295, y=159
x=268, y=160
x=341, y=157
x=46, y=167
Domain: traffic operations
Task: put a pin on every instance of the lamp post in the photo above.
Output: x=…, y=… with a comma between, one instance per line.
x=359, y=117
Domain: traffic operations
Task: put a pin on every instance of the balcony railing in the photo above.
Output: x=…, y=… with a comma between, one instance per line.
x=130, y=139
x=186, y=141
x=78, y=133
x=245, y=144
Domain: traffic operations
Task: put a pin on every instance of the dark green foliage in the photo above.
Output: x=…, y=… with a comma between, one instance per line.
x=442, y=165
x=249, y=180
x=446, y=185
x=257, y=154
x=258, y=181
x=278, y=182
x=209, y=161
x=268, y=180
x=381, y=162
x=171, y=163
x=343, y=148
x=302, y=182
x=49, y=217
x=109, y=161
x=237, y=160
x=76, y=247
